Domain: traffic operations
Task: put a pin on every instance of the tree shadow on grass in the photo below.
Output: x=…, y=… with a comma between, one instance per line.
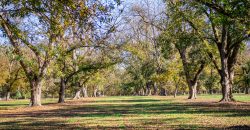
x=11, y=105
x=44, y=118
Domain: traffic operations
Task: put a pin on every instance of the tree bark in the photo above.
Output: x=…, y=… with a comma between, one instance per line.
x=166, y=92
x=176, y=87
x=78, y=94
x=210, y=90
x=225, y=83
x=95, y=92
x=142, y=92
x=36, y=93
x=155, y=89
x=227, y=75
x=84, y=91
x=247, y=90
x=191, y=80
x=62, y=91
x=7, y=96
x=148, y=90
x=192, y=90
x=176, y=91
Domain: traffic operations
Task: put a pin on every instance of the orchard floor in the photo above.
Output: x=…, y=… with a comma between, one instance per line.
x=132, y=112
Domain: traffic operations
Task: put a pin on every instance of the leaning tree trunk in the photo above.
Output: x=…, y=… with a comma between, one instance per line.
x=62, y=91
x=36, y=93
x=191, y=81
x=192, y=90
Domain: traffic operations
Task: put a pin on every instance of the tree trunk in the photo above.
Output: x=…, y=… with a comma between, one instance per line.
x=192, y=90
x=78, y=94
x=225, y=89
x=155, y=89
x=85, y=92
x=142, y=92
x=247, y=90
x=191, y=81
x=176, y=91
x=226, y=81
x=148, y=91
x=36, y=93
x=62, y=91
x=210, y=91
x=7, y=96
x=95, y=92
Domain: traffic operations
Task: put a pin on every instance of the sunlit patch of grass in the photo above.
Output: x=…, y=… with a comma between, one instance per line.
x=217, y=97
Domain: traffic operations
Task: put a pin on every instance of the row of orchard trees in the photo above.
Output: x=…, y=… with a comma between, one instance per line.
x=220, y=28
x=166, y=47
x=190, y=42
x=60, y=39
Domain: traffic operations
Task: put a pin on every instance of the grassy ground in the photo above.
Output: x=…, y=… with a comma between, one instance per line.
x=136, y=112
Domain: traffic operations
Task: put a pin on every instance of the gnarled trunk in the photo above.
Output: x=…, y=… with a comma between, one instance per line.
x=62, y=91
x=227, y=75
x=226, y=84
x=36, y=93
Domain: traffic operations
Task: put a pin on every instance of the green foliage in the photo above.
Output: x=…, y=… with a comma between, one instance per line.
x=18, y=95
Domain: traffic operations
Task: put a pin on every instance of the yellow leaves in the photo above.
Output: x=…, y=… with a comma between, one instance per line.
x=3, y=77
x=84, y=9
x=248, y=32
x=3, y=69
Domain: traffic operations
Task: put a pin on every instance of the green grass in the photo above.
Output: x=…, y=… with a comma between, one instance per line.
x=128, y=112
x=13, y=104
x=238, y=97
